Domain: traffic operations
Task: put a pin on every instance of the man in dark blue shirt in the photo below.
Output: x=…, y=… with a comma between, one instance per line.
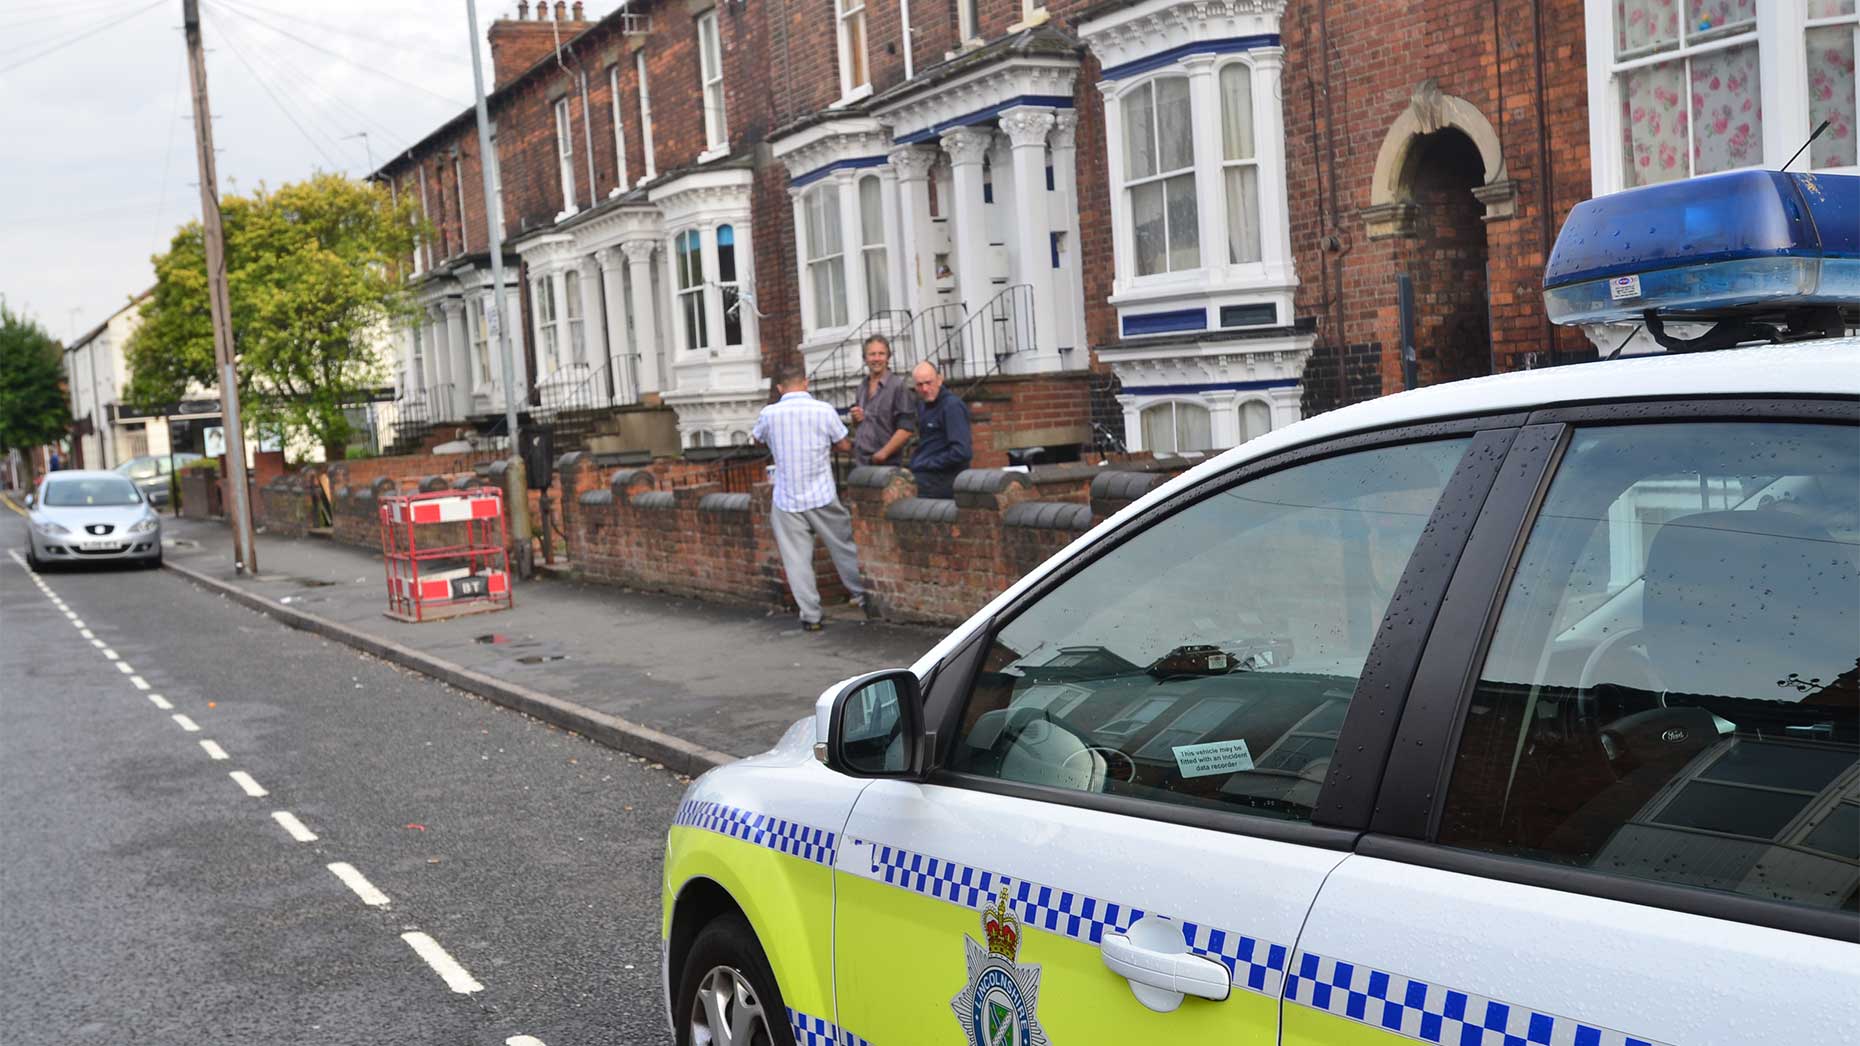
x=943, y=444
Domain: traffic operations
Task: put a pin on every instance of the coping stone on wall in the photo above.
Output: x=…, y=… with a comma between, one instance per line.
x=977, y=488
x=921, y=510
x=465, y=482
x=344, y=492
x=873, y=477
x=362, y=493
x=1048, y=515
x=383, y=487
x=655, y=500
x=1126, y=486
x=432, y=483
x=569, y=459
x=724, y=503
x=596, y=497
x=623, y=481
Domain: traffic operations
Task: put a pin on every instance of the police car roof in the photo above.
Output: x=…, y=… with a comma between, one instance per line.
x=1830, y=367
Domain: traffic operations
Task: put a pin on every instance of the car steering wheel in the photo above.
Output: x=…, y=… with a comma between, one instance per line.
x=1118, y=766
x=1620, y=643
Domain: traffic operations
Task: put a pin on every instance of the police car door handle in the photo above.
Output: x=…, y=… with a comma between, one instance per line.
x=1160, y=978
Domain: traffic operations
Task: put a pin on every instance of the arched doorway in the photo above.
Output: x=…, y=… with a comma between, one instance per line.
x=1447, y=260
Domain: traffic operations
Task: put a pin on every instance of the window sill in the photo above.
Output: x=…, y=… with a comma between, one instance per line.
x=857, y=94
x=715, y=153
x=1239, y=279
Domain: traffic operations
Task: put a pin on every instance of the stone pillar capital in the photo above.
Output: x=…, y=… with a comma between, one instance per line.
x=638, y=252
x=967, y=146
x=609, y=258
x=1065, y=129
x=453, y=306
x=1027, y=126
x=911, y=162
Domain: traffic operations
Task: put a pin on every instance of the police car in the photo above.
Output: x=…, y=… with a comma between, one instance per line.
x=1520, y=710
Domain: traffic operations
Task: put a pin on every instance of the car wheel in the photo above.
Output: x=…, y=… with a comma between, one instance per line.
x=727, y=994
x=33, y=562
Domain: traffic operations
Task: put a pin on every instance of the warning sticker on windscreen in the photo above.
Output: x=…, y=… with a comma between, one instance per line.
x=1212, y=757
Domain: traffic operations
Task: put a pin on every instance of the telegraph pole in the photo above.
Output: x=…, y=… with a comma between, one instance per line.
x=245, y=551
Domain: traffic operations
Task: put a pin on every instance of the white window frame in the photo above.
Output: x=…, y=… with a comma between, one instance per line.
x=1252, y=162
x=565, y=152
x=1781, y=40
x=571, y=298
x=825, y=196
x=497, y=186
x=645, y=114
x=458, y=180
x=1127, y=186
x=548, y=338
x=849, y=21
x=968, y=21
x=730, y=290
x=613, y=86
x=710, y=80
x=420, y=248
x=480, y=335
x=1175, y=404
x=688, y=289
x=874, y=256
x=426, y=218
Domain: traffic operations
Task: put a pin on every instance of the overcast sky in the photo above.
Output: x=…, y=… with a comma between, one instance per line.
x=97, y=168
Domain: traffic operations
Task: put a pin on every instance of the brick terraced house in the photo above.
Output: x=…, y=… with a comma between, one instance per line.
x=1154, y=225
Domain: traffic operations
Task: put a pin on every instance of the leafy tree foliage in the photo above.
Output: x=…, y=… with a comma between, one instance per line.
x=34, y=409
x=312, y=271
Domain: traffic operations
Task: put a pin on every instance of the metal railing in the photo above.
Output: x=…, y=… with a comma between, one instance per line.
x=417, y=412
x=615, y=383
x=989, y=335
x=551, y=392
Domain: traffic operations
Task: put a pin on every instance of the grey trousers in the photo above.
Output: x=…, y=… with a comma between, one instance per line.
x=794, y=536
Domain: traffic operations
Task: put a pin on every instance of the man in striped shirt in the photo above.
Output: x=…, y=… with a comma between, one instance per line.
x=801, y=432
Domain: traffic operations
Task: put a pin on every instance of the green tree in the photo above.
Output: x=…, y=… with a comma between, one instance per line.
x=313, y=274
x=33, y=407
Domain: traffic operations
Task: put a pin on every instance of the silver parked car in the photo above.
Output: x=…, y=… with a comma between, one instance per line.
x=86, y=515
x=152, y=471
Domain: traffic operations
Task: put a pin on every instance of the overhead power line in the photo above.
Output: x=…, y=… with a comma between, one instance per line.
x=396, y=44
x=277, y=55
x=290, y=84
x=339, y=56
x=112, y=22
x=233, y=45
x=59, y=11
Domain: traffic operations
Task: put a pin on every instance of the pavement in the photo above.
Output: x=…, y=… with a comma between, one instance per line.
x=500, y=876
x=687, y=683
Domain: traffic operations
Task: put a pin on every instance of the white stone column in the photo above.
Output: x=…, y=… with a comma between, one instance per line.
x=620, y=371
x=1204, y=96
x=438, y=362
x=645, y=328
x=852, y=244
x=804, y=282
x=1275, y=232
x=1069, y=288
x=1223, y=418
x=458, y=352
x=1026, y=128
x=712, y=299
x=966, y=147
x=1123, y=261
x=912, y=165
x=893, y=229
x=745, y=285
x=593, y=336
x=1133, y=423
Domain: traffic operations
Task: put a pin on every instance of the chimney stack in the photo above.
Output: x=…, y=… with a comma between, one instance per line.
x=577, y=10
x=523, y=10
x=561, y=10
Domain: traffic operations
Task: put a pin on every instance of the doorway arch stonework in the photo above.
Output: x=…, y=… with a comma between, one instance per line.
x=1391, y=212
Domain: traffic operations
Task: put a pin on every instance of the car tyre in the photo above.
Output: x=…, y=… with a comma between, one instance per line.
x=33, y=562
x=726, y=992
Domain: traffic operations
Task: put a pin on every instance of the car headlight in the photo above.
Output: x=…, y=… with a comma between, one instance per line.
x=50, y=529
x=146, y=524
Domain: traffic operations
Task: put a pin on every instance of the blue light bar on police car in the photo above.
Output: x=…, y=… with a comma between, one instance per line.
x=1708, y=245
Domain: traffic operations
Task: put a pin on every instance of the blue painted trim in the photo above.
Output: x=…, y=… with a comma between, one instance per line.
x=1054, y=101
x=1166, y=322
x=1213, y=386
x=855, y=163
x=1229, y=45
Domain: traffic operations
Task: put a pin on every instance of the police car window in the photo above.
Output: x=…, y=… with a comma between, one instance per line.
x=1209, y=659
x=1671, y=692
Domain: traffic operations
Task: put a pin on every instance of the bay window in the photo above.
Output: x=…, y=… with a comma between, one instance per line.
x=688, y=263
x=872, y=244
x=1680, y=88
x=729, y=286
x=565, y=152
x=854, y=74
x=1174, y=427
x=477, y=317
x=710, y=70
x=826, y=263
x=1159, y=176
x=1239, y=163
x=571, y=291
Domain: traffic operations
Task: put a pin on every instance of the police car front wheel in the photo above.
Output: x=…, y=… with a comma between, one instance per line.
x=727, y=993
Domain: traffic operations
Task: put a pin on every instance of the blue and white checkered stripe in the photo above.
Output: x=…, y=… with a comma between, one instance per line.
x=1433, y=1013
x=1254, y=964
x=783, y=836
x=810, y=1030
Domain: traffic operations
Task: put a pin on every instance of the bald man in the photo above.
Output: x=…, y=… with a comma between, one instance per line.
x=944, y=446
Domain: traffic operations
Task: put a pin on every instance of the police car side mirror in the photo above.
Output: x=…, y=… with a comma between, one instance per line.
x=875, y=727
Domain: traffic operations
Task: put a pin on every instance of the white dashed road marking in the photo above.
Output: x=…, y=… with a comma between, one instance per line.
x=111, y=654
x=252, y=788
x=362, y=887
x=98, y=643
x=141, y=683
x=523, y=1040
x=123, y=667
x=294, y=826
x=213, y=749
x=186, y=724
x=444, y=965
x=78, y=623
x=160, y=702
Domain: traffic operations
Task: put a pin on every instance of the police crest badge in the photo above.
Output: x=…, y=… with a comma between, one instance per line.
x=997, y=1007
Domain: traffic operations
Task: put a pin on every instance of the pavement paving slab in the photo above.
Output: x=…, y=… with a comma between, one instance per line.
x=729, y=679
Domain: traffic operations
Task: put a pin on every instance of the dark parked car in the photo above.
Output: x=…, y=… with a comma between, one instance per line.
x=151, y=473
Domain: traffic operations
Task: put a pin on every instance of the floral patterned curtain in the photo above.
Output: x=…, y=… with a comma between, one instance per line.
x=1715, y=96
x=1831, y=86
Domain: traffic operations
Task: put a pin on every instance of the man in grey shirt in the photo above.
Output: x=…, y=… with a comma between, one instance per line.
x=885, y=410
